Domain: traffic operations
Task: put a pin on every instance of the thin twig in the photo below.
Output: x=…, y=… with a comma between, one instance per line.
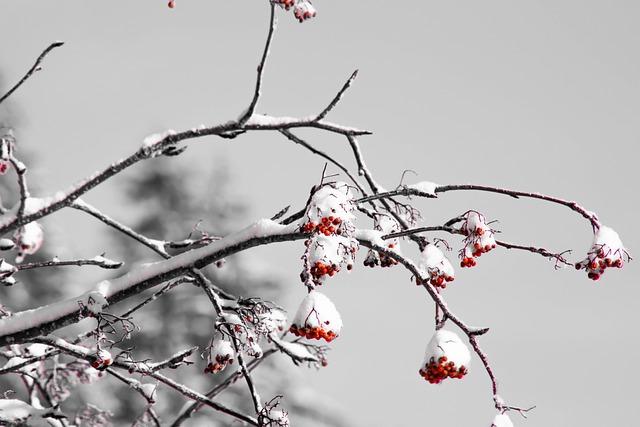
x=98, y=261
x=258, y=91
x=33, y=69
x=338, y=97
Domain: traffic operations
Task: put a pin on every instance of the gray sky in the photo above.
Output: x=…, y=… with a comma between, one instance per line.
x=541, y=96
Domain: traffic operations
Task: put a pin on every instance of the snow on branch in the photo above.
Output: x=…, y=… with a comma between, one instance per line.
x=43, y=320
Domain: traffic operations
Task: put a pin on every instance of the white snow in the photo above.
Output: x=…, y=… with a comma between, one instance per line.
x=29, y=239
x=106, y=261
x=373, y=236
x=297, y=350
x=425, y=187
x=155, y=138
x=335, y=200
x=37, y=349
x=317, y=311
x=14, y=361
x=447, y=343
x=17, y=412
x=331, y=250
x=434, y=262
x=94, y=301
x=6, y=269
x=31, y=318
x=502, y=420
x=264, y=120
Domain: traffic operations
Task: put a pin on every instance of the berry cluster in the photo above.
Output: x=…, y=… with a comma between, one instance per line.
x=439, y=281
x=302, y=9
x=319, y=270
x=479, y=238
x=436, y=372
x=329, y=217
x=314, y=333
x=101, y=360
x=327, y=226
x=606, y=251
x=446, y=357
x=220, y=356
x=219, y=364
x=29, y=239
x=317, y=318
x=286, y=4
x=437, y=266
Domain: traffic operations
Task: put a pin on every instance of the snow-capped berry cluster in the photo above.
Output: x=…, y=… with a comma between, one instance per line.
x=6, y=151
x=29, y=239
x=316, y=318
x=502, y=420
x=220, y=355
x=302, y=9
x=101, y=360
x=480, y=238
x=386, y=224
x=446, y=357
x=332, y=246
x=330, y=210
x=606, y=251
x=326, y=255
x=434, y=263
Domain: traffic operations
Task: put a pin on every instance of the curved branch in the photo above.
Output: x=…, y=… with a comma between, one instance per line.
x=33, y=69
x=30, y=323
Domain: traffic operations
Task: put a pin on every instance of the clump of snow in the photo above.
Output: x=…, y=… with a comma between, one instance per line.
x=278, y=418
x=425, y=187
x=220, y=356
x=273, y=320
x=502, y=420
x=317, y=317
x=328, y=254
x=93, y=302
x=37, y=350
x=479, y=238
x=106, y=262
x=6, y=244
x=29, y=239
x=297, y=350
x=156, y=138
x=6, y=269
x=17, y=360
x=15, y=412
x=330, y=210
x=446, y=356
x=606, y=251
x=435, y=264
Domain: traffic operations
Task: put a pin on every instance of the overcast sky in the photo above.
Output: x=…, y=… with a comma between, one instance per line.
x=540, y=96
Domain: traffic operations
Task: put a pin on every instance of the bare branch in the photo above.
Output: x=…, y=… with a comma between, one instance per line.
x=256, y=95
x=338, y=97
x=99, y=261
x=33, y=69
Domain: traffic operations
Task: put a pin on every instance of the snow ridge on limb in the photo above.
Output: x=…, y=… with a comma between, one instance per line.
x=39, y=321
